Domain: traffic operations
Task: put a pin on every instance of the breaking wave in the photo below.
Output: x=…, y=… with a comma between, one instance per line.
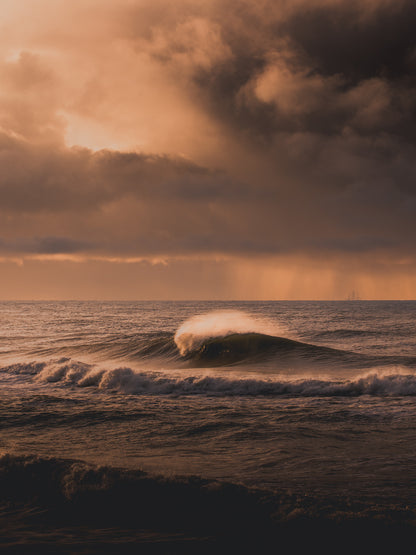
x=65, y=372
x=215, y=339
x=197, y=330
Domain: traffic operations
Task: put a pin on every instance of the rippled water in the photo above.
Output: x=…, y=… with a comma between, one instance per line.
x=311, y=400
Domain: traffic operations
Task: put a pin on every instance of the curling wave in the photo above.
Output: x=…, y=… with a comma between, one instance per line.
x=218, y=339
x=191, y=350
x=224, y=338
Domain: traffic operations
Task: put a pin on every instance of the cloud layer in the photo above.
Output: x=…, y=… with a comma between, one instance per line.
x=198, y=130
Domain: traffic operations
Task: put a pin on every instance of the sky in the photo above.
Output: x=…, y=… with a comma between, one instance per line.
x=207, y=149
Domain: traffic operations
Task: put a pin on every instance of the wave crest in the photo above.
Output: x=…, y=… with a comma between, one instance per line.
x=195, y=331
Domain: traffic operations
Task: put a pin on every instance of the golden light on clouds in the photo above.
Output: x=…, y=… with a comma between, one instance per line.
x=261, y=145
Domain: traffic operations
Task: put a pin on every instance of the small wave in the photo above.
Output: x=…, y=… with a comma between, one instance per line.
x=126, y=380
x=130, y=347
x=342, y=333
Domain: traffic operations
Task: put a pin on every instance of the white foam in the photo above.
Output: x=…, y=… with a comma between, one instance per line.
x=127, y=381
x=388, y=382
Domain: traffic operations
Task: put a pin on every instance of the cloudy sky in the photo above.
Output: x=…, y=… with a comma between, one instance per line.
x=152, y=149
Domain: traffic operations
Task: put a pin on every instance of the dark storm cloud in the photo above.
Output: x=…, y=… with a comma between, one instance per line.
x=327, y=89
x=319, y=68
x=299, y=117
x=340, y=38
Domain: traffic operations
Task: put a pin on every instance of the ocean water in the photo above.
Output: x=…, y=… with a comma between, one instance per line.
x=190, y=426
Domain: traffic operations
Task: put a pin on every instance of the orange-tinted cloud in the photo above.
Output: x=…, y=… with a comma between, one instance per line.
x=211, y=130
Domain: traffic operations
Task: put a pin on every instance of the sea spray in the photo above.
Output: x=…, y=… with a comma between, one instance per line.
x=197, y=329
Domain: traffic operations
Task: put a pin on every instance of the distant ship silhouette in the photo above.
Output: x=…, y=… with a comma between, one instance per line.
x=353, y=296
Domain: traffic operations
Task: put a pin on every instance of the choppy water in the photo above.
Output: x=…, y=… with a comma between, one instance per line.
x=311, y=405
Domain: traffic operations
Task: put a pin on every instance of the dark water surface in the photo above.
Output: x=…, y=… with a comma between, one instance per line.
x=196, y=426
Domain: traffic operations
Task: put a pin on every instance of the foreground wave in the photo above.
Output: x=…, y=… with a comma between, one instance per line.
x=126, y=380
x=72, y=506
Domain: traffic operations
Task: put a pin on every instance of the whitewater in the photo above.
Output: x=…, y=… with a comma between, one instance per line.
x=305, y=410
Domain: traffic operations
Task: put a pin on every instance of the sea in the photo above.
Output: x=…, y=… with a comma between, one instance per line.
x=207, y=427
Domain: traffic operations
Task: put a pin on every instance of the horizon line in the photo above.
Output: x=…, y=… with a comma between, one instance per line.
x=206, y=300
